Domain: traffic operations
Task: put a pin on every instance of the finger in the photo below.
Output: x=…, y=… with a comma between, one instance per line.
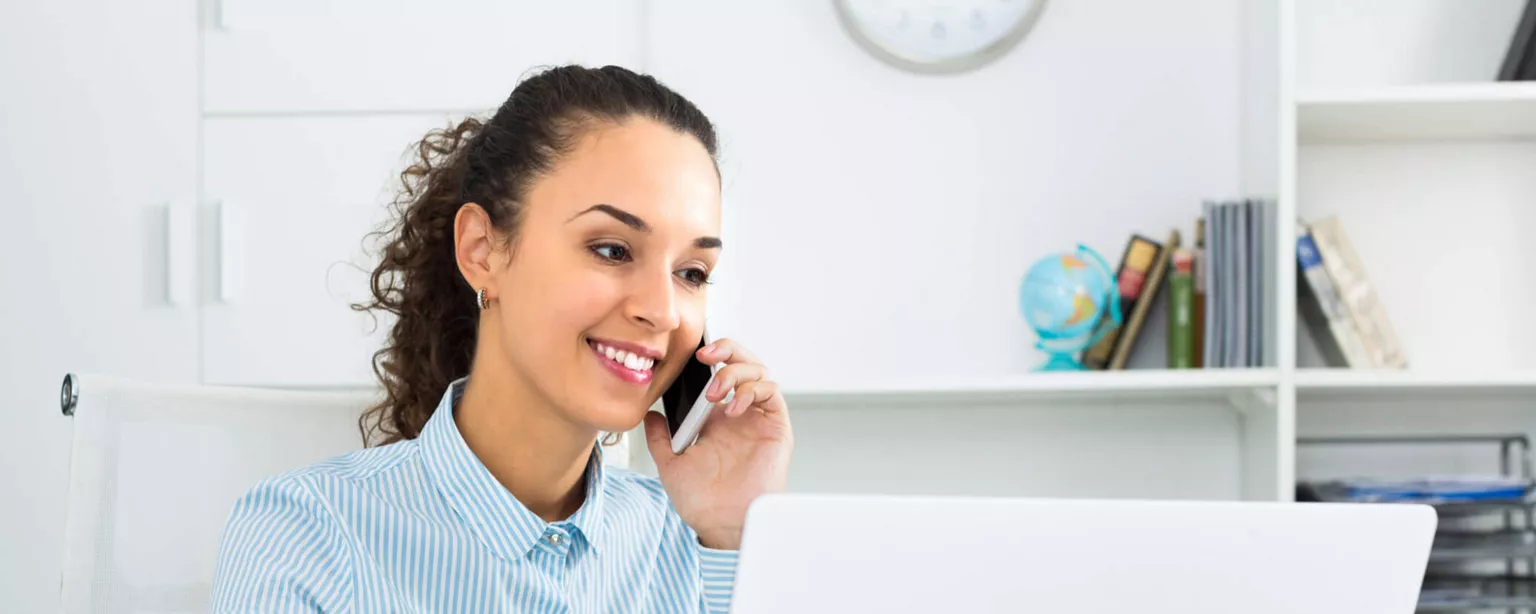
x=727, y=351
x=732, y=376
x=764, y=395
x=658, y=439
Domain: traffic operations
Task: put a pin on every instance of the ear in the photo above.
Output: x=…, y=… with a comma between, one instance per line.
x=474, y=242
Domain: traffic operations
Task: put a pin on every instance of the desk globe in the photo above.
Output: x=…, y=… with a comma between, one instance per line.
x=1064, y=297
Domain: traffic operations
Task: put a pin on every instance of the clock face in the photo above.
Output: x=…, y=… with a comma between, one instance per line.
x=938, y=35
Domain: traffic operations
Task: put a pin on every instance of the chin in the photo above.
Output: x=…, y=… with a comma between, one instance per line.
x=614, y=415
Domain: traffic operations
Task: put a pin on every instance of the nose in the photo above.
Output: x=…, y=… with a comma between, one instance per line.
x=652, y=302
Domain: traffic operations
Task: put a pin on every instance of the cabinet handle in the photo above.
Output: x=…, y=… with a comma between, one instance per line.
x=178, y=242
x=216, y=11
x=231, y=248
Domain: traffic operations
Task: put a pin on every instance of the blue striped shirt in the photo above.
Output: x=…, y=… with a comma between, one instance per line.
x=422, y=526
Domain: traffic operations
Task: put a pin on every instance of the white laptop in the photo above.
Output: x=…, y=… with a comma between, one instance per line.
x=832, y=553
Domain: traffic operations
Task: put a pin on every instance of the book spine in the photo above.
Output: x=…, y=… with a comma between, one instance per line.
x=1181, y=311
x=1323, y=311
x=1520, y=60
x=1358, y=296
x=1256, y=269
x=1240, y=250
x=1131, y=277
x=1211, y=352
x=1157, y=271
x=1199, y=276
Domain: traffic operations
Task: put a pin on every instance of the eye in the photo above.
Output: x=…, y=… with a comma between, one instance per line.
x=610, y=252
x=694, y=277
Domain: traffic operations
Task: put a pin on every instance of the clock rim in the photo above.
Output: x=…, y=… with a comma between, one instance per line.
x=976, y=59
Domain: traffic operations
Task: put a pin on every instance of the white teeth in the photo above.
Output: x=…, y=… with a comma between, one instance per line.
x=629, y=359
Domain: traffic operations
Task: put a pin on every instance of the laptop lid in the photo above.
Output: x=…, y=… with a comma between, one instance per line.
x=853, y=553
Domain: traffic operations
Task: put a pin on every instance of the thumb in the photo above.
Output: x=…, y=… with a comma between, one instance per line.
x=658, y=439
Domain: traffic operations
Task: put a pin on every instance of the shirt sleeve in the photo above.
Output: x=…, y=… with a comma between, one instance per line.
x=282, y=551
x=718, y=569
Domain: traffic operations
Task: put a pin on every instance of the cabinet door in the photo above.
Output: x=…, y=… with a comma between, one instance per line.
x=291, y=201
x=98, y=159
x=422, y=55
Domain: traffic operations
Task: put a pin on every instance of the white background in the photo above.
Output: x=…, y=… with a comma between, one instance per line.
x=879, y=221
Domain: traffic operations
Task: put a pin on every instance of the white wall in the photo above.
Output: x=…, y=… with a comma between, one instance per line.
x=1363, y=43
x=888, y=218
x=82, y=285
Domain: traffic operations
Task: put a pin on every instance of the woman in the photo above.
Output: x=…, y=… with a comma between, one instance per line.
x=547, y=272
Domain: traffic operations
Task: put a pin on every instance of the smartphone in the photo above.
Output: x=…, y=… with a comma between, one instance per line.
x=684, y=402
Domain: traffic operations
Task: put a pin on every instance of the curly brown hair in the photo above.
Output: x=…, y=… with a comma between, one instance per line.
x=492, y=163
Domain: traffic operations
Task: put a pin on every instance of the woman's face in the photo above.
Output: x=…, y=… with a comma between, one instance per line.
x=601, y=300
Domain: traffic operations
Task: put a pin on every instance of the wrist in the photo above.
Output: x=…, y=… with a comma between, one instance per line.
x=721, y=539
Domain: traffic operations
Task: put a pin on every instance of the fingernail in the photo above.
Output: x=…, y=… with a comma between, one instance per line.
x=708, y=349
x=714, y=387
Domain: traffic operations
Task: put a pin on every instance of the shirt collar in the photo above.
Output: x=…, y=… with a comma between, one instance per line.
x=502, y=522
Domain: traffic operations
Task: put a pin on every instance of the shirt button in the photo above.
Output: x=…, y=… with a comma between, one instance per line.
x=554, y=538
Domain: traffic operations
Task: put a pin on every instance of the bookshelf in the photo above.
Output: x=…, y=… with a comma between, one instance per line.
x=1352, y=383
x=1391, y=121
x=1220, y=385
x=1434, y=112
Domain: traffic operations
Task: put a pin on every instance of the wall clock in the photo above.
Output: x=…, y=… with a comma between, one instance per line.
x=938, y=36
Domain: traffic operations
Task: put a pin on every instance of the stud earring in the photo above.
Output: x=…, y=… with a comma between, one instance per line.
x=481, y=300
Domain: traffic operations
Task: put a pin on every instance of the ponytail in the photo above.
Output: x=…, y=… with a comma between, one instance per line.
x=433, y=338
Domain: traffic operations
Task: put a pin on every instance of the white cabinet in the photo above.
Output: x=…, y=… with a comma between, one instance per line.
x=295, y=56
x=290, y=202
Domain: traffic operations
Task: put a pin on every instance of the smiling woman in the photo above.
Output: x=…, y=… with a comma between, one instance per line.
x=548, y=271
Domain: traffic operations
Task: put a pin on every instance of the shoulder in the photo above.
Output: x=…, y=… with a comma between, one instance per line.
x=640, y=500
x=282, y=549
x=635, y=489
x=284, y=544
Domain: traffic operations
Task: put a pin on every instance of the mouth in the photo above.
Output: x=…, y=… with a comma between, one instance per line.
x=629, y=365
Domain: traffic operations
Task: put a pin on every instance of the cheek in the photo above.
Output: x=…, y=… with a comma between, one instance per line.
x=553, y=302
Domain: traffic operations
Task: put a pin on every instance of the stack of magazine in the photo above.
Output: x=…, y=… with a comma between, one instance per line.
x=1485, y=544
x=1484, y=552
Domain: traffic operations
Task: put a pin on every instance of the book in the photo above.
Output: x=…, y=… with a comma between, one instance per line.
x=1237, y=333
x=1357, y=294
x=1145, y=296
x=1322, y=311
x=1258, y=243
x=1214, y=273
x=1520, y=60
x=1135, y=268
x=1198, y=326
x=1181, y=310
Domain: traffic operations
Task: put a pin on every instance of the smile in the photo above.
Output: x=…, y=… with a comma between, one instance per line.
x=628, y=365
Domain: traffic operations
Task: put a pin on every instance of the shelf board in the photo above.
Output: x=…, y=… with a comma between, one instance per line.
x=1312, y=383
x=1439, y=112
x=1192, y=384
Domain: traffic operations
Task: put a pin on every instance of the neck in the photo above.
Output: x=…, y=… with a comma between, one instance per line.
x=533, y=451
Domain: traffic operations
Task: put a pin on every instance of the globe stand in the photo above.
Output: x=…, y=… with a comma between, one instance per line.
x=1061, y=362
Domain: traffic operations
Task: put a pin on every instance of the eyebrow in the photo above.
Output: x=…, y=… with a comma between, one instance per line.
x=633, y=221
x=629, y=219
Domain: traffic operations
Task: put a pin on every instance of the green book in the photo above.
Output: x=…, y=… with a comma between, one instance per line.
x=1181, y=310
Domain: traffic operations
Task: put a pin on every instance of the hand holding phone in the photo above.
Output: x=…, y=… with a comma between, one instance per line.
x=684, y=402
x=743, y=451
